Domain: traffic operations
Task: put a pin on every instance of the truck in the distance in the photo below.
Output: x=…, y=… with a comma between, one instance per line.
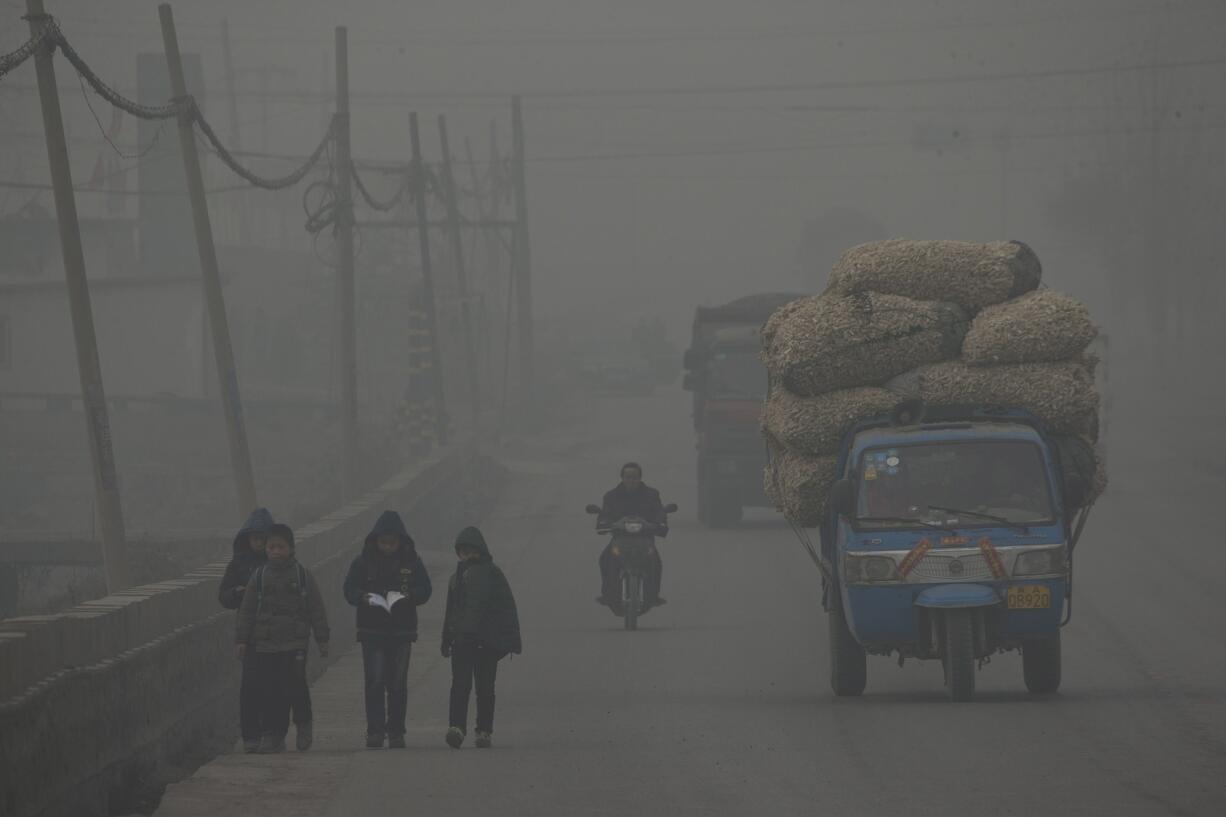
x=728, y=382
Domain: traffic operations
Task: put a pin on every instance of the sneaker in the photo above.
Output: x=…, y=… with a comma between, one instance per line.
x=455, y=737
x=484, y=740
x=306, y=736
x=272, y=744
x=374, y=740
x=395, y=742
x=251, y=745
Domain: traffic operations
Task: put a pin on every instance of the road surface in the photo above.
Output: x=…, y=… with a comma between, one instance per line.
x=720, y=704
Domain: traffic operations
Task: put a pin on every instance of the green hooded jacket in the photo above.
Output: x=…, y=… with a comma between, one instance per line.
x=480, y=604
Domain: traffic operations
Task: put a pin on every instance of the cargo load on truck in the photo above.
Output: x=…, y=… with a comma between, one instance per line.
x=928, y=323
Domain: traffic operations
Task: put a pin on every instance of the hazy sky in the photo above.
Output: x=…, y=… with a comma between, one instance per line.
x=936, y=118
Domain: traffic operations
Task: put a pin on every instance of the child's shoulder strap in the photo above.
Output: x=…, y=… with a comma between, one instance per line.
x=259, y=588
x=302, y=580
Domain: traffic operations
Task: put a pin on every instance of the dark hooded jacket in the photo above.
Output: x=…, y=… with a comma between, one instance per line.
x=372, y=572
x=480, y=604
x=645, y=503
x=244, y=561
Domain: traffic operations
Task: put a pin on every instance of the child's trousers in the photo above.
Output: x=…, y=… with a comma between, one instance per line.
x=281, y=680
x=472, y=663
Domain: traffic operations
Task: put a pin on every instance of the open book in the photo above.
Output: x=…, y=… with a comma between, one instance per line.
x=386, y=602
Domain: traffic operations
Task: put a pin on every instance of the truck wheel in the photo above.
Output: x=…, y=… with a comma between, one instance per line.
x=848, y=662
x=959, y=659
x=1041, y=664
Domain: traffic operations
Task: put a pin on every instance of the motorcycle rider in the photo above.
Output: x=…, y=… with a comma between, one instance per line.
x=631, y=497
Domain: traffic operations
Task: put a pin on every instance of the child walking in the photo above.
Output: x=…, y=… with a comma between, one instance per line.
x=480, y=627
x=280, y=609
x=387, y=583
x=248, y=556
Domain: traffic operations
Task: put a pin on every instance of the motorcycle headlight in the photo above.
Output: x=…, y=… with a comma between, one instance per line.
x=634, y=527
x=868, y=569
x=1040, y=562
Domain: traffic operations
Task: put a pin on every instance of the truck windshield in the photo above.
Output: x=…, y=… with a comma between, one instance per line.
x=736, y=374
x=968, y=484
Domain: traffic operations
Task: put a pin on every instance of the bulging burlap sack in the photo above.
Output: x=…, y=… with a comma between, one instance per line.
x=1062, y=395
x=971, y=275
x=1038, y=327
x=799, y=484
x=822, y=344
x=816, y=425
x=1078, y=456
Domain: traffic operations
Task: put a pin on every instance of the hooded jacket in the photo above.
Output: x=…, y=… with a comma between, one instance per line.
x=245, y=560
x=480, y=604
x=645, y=503
x=372, y=572
x=281, y=606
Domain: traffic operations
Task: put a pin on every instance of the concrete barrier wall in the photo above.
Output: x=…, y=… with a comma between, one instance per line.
x=100, y=700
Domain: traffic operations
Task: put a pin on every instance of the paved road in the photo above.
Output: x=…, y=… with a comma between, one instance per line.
x=720, y=706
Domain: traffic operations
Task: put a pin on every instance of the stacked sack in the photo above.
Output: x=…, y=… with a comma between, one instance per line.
x=945, y=322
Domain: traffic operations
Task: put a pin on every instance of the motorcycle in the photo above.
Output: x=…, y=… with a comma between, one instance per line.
x=633, y=545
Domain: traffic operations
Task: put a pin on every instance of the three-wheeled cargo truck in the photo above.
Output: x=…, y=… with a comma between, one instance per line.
x=950, y=536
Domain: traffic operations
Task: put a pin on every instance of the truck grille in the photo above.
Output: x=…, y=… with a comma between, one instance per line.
x=972, y=567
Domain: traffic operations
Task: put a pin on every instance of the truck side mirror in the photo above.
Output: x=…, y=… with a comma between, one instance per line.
x=689, y=382
x=592, y=509
x=843, y=497
x=690, y=359
x=670, y=507
x=1076, y=491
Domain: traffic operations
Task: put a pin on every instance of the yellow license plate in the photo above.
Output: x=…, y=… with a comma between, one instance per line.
x=1029, y=597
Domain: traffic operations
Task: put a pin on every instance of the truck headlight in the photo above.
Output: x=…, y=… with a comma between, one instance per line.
x=868, y=569
x=1040, y=562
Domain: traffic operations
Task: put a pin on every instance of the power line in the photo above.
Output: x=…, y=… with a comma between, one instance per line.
x=500, y=95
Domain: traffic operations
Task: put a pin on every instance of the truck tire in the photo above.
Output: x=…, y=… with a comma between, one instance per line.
x=1041, y=664
x=959, y=656
x=848, y=662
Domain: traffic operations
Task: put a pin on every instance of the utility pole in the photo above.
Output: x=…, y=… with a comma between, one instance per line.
x=523, y=256
x=345, y=284
x=219, y=329
x=494, y=249
x=427, y=278
x=457, y=254
x=89, y=367
x=484, y=318
x=236, y=143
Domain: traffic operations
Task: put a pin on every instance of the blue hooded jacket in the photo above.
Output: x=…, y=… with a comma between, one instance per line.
x=245, y=560
x=403, y=572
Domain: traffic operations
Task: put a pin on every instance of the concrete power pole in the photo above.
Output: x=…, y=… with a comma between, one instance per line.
x=219, y=328
x=244, y=220
x=523, y=259
x=89, y=367
x=457, y=254
x=346, y=297
x=427, y=279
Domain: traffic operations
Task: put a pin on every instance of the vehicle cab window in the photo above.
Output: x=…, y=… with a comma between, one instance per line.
x=923, y=481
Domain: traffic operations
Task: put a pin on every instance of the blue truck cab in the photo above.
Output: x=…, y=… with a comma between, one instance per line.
x=949, y=536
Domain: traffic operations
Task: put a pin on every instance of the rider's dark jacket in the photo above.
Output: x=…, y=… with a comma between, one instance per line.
x=644, y=502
